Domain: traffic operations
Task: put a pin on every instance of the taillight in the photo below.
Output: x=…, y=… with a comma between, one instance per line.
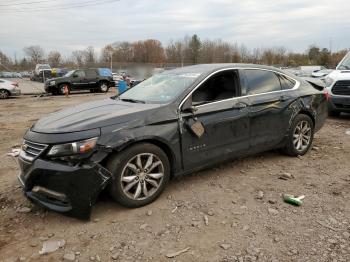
x=326, y=94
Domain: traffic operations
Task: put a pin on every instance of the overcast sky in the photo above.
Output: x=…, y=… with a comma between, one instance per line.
x=294, y=24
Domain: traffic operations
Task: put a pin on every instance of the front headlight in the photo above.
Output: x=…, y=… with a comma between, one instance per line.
x=75, y=148
x=329, y=81
x=52, y=83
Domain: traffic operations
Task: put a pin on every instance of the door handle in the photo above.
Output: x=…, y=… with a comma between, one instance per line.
x=240, y=105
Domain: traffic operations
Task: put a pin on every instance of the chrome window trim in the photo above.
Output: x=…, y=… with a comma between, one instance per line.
x=296, y=86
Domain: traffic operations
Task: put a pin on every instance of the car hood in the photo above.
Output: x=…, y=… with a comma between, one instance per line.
x=340, y=75
x=93, y=115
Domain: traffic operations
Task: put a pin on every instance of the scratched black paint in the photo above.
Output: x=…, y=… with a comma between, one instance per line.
x=230, y=131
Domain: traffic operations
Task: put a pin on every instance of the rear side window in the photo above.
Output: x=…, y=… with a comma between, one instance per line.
x=262, y=81
x=286, y=82
x=91, y=73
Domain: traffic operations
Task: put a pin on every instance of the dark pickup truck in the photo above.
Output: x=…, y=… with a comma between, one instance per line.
x=94, y=79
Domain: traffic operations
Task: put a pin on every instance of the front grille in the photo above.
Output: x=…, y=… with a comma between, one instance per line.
x=31, y=150
x=341, y=88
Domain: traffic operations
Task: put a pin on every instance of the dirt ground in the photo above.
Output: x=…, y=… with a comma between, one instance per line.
x=231, y=212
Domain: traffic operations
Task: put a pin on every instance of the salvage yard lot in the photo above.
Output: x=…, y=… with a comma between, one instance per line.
x=231, y=212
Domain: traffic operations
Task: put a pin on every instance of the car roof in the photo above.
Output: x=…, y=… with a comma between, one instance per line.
x=205, y=69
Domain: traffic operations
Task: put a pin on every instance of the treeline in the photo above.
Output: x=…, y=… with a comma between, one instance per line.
x=186, y=51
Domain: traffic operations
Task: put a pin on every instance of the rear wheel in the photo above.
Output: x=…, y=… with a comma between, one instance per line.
x=103, y=87
x=300, y=136
x=4, y=94
x=140, y=174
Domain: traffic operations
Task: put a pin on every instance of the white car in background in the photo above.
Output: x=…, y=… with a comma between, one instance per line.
x=338, y=86
x=8, y=88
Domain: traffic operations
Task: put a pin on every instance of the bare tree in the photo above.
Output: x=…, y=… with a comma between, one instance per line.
x=123, y=51
x=89, y=55
x=5, y=61
x=78, y=57
x=106, y=53
x=36, y=53
x=54, y=58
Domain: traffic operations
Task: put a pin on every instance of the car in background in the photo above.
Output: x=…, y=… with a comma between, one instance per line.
x=338, y=86
x=321, y=73
x=93, y=79
x=25, y=74
x=8, y=88
x=117, y=77
x=134, y=82
x=173, y=123
x=41, y=72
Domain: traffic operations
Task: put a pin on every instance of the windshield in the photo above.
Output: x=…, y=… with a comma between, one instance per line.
x=69, y=73
x=160, y=88
x=345, y=64
x=44, y=67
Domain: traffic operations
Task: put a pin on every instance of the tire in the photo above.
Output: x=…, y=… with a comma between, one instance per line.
x=103, y=87
x=127, y=185
x=4, y=94
x=333, y=113
x=61, y=89
x=300, y=136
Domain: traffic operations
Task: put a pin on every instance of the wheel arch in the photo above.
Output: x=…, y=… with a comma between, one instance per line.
x=309, y=114
x=64, y=83
x=155, y=141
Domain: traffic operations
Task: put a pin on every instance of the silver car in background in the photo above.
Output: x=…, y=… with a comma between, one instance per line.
x=8, y=88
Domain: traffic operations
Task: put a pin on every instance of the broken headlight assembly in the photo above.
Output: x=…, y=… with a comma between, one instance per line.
x=74, y=149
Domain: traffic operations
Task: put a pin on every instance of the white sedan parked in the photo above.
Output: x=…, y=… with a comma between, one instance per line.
x=8, y=88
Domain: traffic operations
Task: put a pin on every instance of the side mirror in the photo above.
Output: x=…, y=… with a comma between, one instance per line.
x=188, y=107
x=74, y=75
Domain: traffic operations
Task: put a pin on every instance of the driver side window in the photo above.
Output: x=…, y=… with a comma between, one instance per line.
x=80, y=73
x=221, y=86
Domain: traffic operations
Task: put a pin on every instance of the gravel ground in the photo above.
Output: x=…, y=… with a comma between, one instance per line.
x=231, y=212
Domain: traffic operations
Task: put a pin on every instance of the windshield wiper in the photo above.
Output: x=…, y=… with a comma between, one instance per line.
x=133, y=100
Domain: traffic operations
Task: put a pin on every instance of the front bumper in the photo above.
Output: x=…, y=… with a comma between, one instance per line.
x=339, y=103
x=61, y=187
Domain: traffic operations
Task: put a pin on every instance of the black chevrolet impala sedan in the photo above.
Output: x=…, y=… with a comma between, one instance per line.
x=174, y=123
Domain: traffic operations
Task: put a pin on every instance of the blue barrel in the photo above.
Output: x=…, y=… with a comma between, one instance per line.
x=121, y=86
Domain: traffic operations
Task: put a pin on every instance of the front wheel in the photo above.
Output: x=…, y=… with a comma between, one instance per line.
x=140, y=174
x=300, y=136
x=62, y=89
x=4, y=94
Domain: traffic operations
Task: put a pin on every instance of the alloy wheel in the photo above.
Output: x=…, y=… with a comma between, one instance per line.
x=3, y=94
x=104, y=87
x=302, y=136
x=142, y=176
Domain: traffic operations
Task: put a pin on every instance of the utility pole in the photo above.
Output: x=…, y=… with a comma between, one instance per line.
x=111, y=53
